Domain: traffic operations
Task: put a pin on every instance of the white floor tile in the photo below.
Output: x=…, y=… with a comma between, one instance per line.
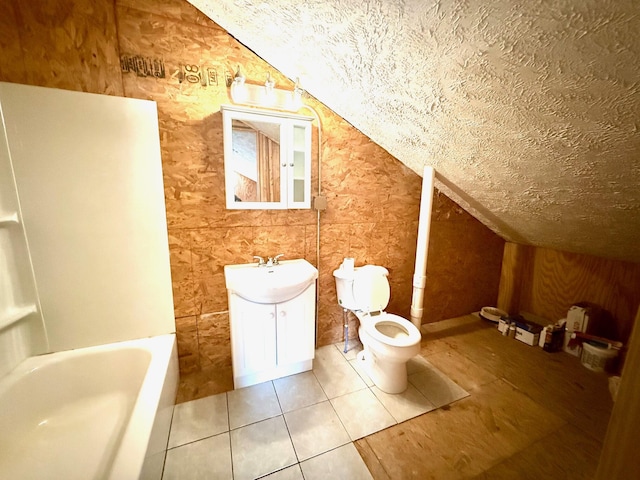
x=205, y=459
x=252, y=404
x=315, y=430
x=298, y=391
x=199, y=419
x=437, y=387
x=261, y=448
x=336, y=376
x=417, y=364
x=405, y=405
x=362, y=413
x=342, y=463
x=353, y=347
x=289, y=473
x=358, y=366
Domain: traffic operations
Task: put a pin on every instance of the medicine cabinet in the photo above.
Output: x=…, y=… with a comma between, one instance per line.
x=267, y=159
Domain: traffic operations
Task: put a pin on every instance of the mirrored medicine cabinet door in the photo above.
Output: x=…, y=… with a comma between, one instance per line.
x=267, y=159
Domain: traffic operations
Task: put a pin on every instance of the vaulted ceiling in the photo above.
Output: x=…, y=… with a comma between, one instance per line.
x=529, y=110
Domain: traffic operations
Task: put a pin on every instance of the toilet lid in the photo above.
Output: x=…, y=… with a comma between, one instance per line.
x=371, y=288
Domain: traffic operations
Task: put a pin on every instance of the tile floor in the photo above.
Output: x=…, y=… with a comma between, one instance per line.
x=302, y=426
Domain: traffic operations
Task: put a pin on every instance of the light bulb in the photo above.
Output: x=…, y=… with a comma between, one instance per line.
x=296, y=96
x=269, y=93
x=238, y=88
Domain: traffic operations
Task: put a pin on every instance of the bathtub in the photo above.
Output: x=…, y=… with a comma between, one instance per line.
x=93, y=413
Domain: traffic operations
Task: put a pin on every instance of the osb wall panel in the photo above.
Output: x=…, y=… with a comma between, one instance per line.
x=11, y=59
x=69, y=45
x=173, y=9
x=463, y=265
x=373, y=200
x=552, y=281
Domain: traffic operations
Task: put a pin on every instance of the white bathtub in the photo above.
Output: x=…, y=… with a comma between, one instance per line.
x=93, y=413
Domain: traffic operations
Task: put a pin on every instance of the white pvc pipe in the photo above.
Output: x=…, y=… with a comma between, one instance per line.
x=424, y=226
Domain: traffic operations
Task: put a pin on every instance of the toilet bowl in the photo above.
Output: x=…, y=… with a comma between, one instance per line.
x=389, y=340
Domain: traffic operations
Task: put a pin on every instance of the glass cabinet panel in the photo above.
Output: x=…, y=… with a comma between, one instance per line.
x=300, y=187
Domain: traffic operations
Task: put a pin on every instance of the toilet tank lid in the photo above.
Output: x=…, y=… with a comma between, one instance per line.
x=366, y=269
x=371, y=288
x=372, y=270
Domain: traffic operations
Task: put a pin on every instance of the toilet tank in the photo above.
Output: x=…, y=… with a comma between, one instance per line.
x=344, y=288
x=362, y=288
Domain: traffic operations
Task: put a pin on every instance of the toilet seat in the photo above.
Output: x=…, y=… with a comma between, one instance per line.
x=371, y=292
x=410, y=335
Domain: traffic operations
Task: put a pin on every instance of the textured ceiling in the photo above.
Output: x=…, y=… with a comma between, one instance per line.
x=529, y=110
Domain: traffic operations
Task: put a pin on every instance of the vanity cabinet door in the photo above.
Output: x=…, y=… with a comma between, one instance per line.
x=299, y=165
x=252, y=336
x=296, y=328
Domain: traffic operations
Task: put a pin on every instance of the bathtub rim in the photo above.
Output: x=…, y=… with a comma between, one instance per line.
x=160, y=382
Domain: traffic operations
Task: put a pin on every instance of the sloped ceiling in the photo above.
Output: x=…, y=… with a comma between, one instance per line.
x=529, y=110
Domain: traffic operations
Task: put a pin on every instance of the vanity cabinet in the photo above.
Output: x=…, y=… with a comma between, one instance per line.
x=271, y=340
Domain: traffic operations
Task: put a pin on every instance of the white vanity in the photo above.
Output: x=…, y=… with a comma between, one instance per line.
x=272, y=314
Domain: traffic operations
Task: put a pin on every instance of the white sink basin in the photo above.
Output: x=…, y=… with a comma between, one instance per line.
x=275, y=284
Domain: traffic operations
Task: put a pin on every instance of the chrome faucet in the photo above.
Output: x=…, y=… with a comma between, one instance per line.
x=271, y=261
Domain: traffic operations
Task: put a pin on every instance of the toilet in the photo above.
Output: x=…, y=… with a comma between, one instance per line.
x=389, y=340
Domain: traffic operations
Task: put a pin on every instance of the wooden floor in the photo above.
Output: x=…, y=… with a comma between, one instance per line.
x=530, y=415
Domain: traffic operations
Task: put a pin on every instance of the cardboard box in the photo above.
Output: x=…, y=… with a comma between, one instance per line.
x=577, y=318
x=528, y=332
x=530, y=317
x=530, y=338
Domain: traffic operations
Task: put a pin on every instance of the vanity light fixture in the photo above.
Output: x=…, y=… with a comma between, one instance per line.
x=296, y=95
x=269, y=96
x=239, y=93
x=269, y=90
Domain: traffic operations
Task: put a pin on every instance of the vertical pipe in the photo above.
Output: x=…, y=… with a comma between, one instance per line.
x=422, y=248
x=345, y=320
x=317, y=116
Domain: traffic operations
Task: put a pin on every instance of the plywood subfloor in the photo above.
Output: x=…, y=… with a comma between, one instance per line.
x=530, y=415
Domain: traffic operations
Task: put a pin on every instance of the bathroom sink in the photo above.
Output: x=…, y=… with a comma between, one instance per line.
x=262, y=284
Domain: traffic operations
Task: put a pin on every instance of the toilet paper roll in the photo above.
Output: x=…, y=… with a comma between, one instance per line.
x=348, y=264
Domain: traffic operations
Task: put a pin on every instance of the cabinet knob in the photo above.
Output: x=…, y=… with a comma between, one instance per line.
x=271, y=315
x=283, y=313
x=284, y=164
x=291, y=164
